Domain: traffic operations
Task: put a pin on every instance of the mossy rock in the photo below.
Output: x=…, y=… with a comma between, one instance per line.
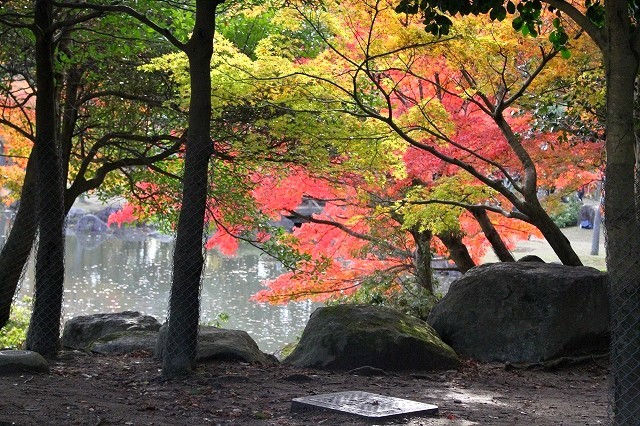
x=18, y=362
x=123, y=342
x=345, y=337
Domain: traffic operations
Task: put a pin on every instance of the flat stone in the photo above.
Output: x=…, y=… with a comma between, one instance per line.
x=364, y=404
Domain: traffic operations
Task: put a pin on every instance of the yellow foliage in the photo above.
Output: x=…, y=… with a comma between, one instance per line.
x=432, y=209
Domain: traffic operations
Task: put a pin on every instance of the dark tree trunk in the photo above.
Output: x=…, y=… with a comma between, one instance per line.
x=457, y=250
x=422, y=260
x=69, y=117
x=188, y=258
x=554, y=236
x=492, y=235
x=17, y=247
x=43, y=335
x=621, y=221
x=530, y=206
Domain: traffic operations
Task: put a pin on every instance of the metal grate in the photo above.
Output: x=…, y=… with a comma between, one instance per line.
x=364, y=404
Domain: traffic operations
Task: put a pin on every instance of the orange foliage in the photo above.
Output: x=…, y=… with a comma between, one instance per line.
x=339, y=261
x=17, y=114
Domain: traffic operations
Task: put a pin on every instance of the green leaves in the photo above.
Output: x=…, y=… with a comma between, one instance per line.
x=595, y=13
x=559, y=39
x=498, y=13
x=436, y=23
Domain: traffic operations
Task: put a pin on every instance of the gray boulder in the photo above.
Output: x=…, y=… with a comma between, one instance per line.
x=90, y=223
x=346, y=337
x=80, y=331
x=221, y=344
x=124, y=342
x=525, y=312
x=18, y=362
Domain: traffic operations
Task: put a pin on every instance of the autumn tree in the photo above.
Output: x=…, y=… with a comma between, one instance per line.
x=612, y=26
x=102, y=125
x=391, y=86
x=254, y=88
x=461, y=111
x=494, y=98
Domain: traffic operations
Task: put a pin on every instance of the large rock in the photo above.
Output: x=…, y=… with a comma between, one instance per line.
x=346, y=337
x=222, y=344
x=90, y=223
x=525, y=312
x=80, y=331
x=19, y=362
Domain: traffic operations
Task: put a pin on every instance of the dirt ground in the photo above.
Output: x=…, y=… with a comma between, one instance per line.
x=84, y=389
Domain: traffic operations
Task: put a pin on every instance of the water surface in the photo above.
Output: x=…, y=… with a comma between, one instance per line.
x=109, y=273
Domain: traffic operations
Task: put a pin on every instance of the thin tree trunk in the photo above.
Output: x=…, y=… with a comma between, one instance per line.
x=554, y=236
x=457, y=250
x=531, y=205
x=492, y=235
x=16, y=250
x=43, y=335
x=422, y=260
x=188, y=258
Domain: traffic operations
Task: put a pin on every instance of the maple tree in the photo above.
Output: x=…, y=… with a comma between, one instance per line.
x=436, y=97
x=612, y=25
x=422, y=198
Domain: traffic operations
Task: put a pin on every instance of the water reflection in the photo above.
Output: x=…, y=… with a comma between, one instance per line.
x=105, y=273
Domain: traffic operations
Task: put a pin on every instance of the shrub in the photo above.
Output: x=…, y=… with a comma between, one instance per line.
x=408, y=297
x=14, y=333
x=566, y=214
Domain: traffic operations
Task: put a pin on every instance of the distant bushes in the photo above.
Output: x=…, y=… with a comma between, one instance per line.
x=566, y=214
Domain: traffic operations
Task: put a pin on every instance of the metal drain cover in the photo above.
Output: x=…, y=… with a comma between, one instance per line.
x=364, y=404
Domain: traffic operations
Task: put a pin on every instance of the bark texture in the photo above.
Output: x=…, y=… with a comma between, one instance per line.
x=43, y=335
x=492, y=235
x=621, y=219
x=17, y=247
x=457, y=250
x=188, y=258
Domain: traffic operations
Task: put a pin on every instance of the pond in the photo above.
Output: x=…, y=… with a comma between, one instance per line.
x=110, y=273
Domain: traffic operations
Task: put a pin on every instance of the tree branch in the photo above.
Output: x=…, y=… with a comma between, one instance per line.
x=116, y=8
x=596, y=34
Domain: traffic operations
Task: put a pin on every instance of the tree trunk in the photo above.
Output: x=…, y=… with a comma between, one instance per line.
x=621, y=223
x=43, y=335
x=188, y=258
x=492, y=235
x=457, y=250
x=530, y=206
x=554, y=236
x=16, y=250
x=422, y=260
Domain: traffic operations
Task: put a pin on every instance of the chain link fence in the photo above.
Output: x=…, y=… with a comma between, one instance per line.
x=21, y=222
x=18, y=226
x=623, y=264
